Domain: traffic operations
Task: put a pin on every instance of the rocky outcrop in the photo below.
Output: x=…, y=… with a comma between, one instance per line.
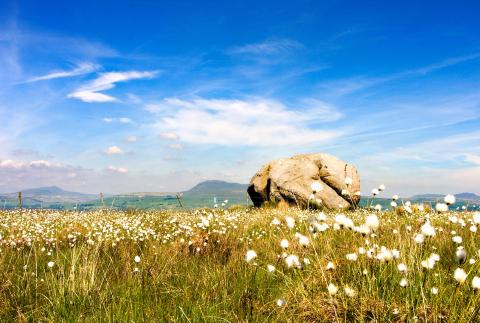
x=307, y=181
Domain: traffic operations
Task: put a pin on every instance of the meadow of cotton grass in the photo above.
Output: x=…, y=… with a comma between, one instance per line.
x=240, y=265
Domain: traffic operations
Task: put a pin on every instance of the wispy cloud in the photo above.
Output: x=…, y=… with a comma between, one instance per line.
x=10, y=66
x=473, y=158
x=245, y=123
x=124, y=120
x=81, y=69
x=269, y=47
x=91, y=92
x=357, y=83
x=131, y=139
x=176, y=146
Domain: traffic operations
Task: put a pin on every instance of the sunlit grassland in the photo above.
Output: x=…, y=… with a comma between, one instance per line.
x=192, y=267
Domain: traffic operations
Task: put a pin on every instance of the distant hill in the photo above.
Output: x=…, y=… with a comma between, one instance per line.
x=209, y=192
x=53, y=191
x=468, y=196
x=427, y=197
x=435, y=197
x=48, y=197
x=216, y=187
x=204, y=194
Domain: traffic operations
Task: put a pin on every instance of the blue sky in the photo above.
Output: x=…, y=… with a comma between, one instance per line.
x=123, y=96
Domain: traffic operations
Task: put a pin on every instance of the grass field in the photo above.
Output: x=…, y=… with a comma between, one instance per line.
x=232, y=265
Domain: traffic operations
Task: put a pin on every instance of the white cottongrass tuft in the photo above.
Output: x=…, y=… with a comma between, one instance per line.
x=137, y=259
x=250, y=255
x=290, y=222
x=352, y=256
x=284, y=243
x=316, y=187
x=460, y=275
x=50, y=264
x=449, y=199
x=372, y=222
x=270, y=268
x=457, y=239
x=427, y=229
x=303, y=240
x=402, y=267
x=419, y=238
x=476, y=217
x=330, y=266
x=476, y=283
x=275, y=222
x=441, y=207
x=430, y=262
x=350, y=292
x=332, y=289
x=292, y=261
x=461, y=255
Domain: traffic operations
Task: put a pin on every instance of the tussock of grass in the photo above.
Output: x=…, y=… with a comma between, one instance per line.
x=192, y=267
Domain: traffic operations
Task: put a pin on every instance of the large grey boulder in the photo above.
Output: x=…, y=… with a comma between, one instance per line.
x=307, y=180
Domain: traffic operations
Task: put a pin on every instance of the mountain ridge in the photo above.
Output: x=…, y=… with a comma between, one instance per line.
x=465, y=196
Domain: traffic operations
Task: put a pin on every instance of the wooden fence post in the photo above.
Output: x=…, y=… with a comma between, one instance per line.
x=179, y=200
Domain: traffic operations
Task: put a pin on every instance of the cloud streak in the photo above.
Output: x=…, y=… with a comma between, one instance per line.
x=357, y=83
x=269, y=47
x=91, y=92
x=84, y=68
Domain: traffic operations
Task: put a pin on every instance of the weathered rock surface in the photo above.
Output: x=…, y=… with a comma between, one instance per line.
x=290, y=180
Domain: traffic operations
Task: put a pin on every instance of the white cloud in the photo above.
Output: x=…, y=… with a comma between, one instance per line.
x=113, y=150
x=12, y=164
x=16, y=164
x=90, y=92
x=120, y=170
x=254, y=122
x=81, y=69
